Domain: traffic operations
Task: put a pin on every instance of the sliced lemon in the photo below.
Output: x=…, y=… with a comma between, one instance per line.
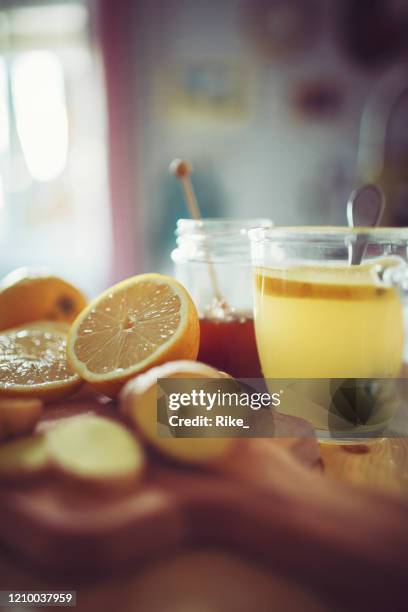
x=33, y=364
x=139, y=323
x=52, y=326
x=27, y=295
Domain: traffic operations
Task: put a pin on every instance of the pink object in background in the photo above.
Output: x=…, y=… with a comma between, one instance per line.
x=115, y=36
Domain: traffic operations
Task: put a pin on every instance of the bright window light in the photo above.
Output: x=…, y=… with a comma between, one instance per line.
x=4, y=118
x=2, y=202
x=41, y=115
x=56, y=20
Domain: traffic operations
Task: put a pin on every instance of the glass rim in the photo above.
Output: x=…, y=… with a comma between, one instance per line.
x=329, y=234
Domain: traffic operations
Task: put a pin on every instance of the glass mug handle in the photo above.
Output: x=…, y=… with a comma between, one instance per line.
x=395, y=276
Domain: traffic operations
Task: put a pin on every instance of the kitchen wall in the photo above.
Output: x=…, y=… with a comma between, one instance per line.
x=267, y=156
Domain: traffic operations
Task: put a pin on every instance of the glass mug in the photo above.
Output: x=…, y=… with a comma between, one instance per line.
x=336, y=328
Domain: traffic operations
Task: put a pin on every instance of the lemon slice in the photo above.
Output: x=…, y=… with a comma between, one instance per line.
x=135, y=325
x=52, y=326
x=33, y=364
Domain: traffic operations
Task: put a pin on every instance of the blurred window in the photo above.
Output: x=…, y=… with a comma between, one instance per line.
x=41, y=120
x=54, y=208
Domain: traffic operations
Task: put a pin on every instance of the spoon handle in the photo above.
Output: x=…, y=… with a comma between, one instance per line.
x=364, y=209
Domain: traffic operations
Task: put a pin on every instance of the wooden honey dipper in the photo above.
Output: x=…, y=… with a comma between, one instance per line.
x=182, y=170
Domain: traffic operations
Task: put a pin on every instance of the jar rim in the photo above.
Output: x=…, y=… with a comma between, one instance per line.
x=220, y=226
x=215, y=239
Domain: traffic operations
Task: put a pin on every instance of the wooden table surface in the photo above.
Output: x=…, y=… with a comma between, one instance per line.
x=381, y=463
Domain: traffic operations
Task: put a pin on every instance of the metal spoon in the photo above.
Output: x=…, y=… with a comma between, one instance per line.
x=364, y=209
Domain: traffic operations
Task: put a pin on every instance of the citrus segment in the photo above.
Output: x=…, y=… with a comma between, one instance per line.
x=139, y=323
x=33, y=363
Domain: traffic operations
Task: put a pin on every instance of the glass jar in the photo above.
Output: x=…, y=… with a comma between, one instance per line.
x=213, y=261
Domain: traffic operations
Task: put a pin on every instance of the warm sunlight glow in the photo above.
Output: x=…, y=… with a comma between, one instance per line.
x=4, y=120
x=41, y=116
x=47, y=19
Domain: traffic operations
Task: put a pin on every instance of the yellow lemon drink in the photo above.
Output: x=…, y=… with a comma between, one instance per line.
x=328, y=321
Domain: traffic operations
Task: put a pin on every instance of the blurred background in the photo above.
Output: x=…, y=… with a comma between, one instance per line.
x=283, y=106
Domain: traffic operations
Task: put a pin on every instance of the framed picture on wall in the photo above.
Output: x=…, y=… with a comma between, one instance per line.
x=205, y=90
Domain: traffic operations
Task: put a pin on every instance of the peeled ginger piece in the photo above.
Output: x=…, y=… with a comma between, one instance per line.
x=24, y=457
x=139, y=403
x=96, y=450
x=19, y=416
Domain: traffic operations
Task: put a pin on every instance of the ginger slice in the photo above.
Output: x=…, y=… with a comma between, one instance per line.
x=24, y=457
x=19, y=416
x=139, y=404
x=96, y=450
